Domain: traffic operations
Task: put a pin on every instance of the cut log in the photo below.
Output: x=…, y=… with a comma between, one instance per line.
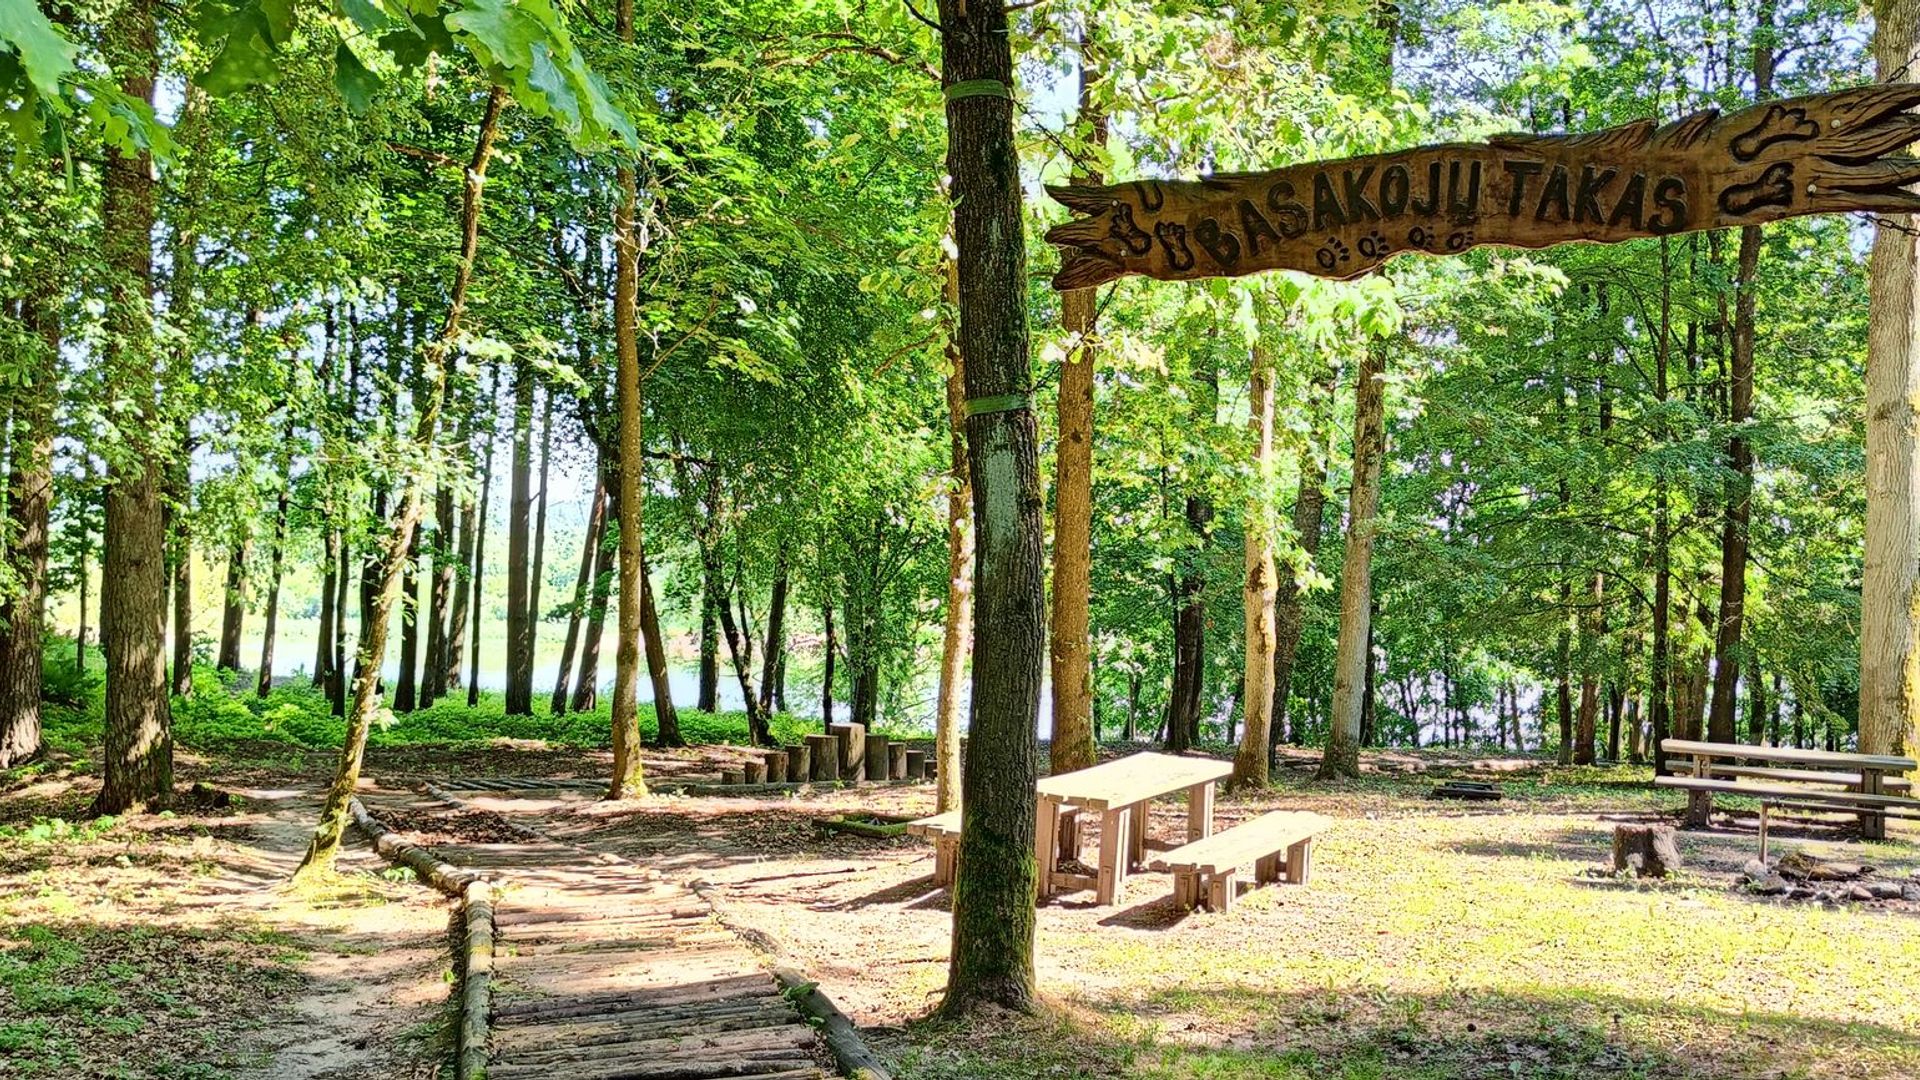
x=916, y=764
x=876, y=757
x=826, y=756
x=852, y=739
x=776, y=766
x=756, y=771
x=1647, y=850
x=897, y=761
x=800, y=763
x=732, y=777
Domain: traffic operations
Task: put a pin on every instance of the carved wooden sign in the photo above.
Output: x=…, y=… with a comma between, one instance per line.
x=1825, y=153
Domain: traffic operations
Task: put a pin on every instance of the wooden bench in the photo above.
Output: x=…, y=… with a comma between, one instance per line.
x=1204, y=871
x=1851, y=780
x=1787, y=775
x=944, y=831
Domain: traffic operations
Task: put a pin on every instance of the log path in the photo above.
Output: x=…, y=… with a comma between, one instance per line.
x=607, y=970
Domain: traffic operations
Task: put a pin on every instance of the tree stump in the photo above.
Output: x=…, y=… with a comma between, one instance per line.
x=897, y=761
x=756, y=771
x=852, y=740
x=776, y=766
x=826, y=757
x=916, y=764
x=733, y=777
x=1647, y=850
x=875, y=766
x=800, y=763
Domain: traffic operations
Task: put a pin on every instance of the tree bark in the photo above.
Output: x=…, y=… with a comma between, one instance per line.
x=138, y=755
x=539, y=536
x=263, y=681
x=519, y=695
x=957, y=630
x=477, y=583
x=1289, y=613
x=403, y=530
x=596, y=511
x=666, y=718
x=28, y=505
x=433, y=676
x=1250, y=764
x=233, y=610
x=709, y=698
x=323, y=637
x=831, y=649
x=406, y=688
x=1072, y=746
x=181, y=570
x=1352, y=662
x=1660, y=660
x=586, y=684
x=627, y=780
x=993, y=911
x=460, y=583
x=775, y=652
x=1190, y=613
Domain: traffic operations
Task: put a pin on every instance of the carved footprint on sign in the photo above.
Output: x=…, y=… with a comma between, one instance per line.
x=1780, y=124
x=1419, y=237
x=1774, y=188
x=1375, y=246
x=1124, y=230
x=1460, y=241
x=1174, y=239
x=1332, y=253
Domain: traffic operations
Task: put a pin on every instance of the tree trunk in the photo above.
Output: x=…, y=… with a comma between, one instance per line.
x=1342, y=757
x=460, y=588
x=666, y=717
x=263, y=684
x=1190, y=614
x=1661, y=659
x=627, y=780
x=832, y=650
x=993, y=912
x=478, y=581
x=28, y=504
x=1289, y=613
x=590, y=544
x=1588, y=728
x=519, y=695
x=406, y=687
x=1072, y=746
x=337, y=676
x=775, y=652
x=957, y=629
x=182, y=571
x=323, y=638
x=396, y=554
x=1563, y=684
x=1250, y=764
x=586, y=684
x=233, y=611
x=433, y=678
x=709, y=699
x=138, y=755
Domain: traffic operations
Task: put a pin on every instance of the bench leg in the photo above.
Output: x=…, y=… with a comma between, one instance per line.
x=1872, y=826
x=1266, y=869
x=1300, y=862
x=1220, y=890
x=1764, y=807
x=1186, y=889
x=1699, y=809
x=1046, y=817
x=1113, y=855
x=1199, y=811
x=1137, y=835
x=1069, y=834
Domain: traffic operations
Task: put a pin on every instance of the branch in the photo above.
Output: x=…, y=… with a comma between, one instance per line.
x=434, y=157
x=916, y=14
x=661, y=357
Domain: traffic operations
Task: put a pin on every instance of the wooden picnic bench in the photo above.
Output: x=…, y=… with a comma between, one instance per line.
x=1802, y=779
x=1120, y=792
x=1204, y=871
x=944, y=831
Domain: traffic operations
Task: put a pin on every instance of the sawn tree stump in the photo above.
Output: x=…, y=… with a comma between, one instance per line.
x=1647, y=850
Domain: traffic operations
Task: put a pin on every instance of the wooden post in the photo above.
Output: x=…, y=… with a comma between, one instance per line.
x=776, y=766
x=875, y=753
x=800, y=762
x=916, y=764
x=1137, y=833
x=1700, y=803
x=1300, y=862
x=826, y=756
x=732, y=777
x=1114, y=846
x=1221, y=890
x=852, y=741
x=1873, y=825
x=897, y=761
x=1199, y=811
x=755, y=771
x=1045, y=816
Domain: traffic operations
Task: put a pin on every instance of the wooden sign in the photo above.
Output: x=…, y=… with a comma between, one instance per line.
x=1825, y=153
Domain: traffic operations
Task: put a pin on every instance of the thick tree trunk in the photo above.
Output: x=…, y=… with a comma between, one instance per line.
x=993, y=911
x=1073, y=737
x=1190, y=612
x=519, y=695
x=233, y=609
x=581, y=584
x=666, y=718
x=709, y=698
x=775, y=651
x=957, y=628
x=138, y=755
x=1352, y=657
x=627, y=780
x=403, y=533
x=1289, y=612
x=28, y=504
x=1250, y=764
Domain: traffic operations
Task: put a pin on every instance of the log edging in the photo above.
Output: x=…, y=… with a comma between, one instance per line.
x=475, y=894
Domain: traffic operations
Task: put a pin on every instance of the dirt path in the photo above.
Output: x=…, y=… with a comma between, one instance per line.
x=604, y=967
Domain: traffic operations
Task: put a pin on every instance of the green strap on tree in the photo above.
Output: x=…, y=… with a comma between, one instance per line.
x=998, y=404
x=972, y=88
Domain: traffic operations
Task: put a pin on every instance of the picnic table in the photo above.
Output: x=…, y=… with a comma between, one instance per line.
x=1120, y=791
x=1800, y=778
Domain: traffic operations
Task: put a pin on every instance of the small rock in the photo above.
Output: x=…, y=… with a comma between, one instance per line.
x=1884, y=890
x=1826, y=896
x=1860, y=892
x=1772, y=885
x=1835, y=871
x=1914, y=874
x=1910, y=892
x=1756, y=870
x=1802, y=892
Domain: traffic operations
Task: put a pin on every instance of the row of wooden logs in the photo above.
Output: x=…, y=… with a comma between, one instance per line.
x=844, y=753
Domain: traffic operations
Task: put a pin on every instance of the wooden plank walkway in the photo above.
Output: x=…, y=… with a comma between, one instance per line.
x=606, y=970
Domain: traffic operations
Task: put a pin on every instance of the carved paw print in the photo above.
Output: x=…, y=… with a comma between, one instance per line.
x=1460, y=241
x=1332, y=253
x=1420, y=238
x=1375, y=246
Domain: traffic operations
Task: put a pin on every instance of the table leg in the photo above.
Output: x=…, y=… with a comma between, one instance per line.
x=1199, y=811
x=1137, y=849
x=1873, y=826
x=1700, y=803
x=1113, y=854
x=1046, y=821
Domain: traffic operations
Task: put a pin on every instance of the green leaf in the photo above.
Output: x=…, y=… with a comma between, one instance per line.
x=500, y=34
x=45, y=53
x=244, y=60
x=366, y=14
x=551, y=85
x=356, y=84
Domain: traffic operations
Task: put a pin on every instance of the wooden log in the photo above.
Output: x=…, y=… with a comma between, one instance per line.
x=776, y=766
x=849, y=1050
x=826, y=756
x=756, y=771
x=732, y=777
x=897, y=761
x=799, y=762
x=476, y=984
x=916, y=764
x=852, y=739
x=876, y=757
x=1647, y=850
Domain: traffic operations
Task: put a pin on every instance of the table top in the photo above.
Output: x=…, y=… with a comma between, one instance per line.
x=1133, y=779
x=1820, y=758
